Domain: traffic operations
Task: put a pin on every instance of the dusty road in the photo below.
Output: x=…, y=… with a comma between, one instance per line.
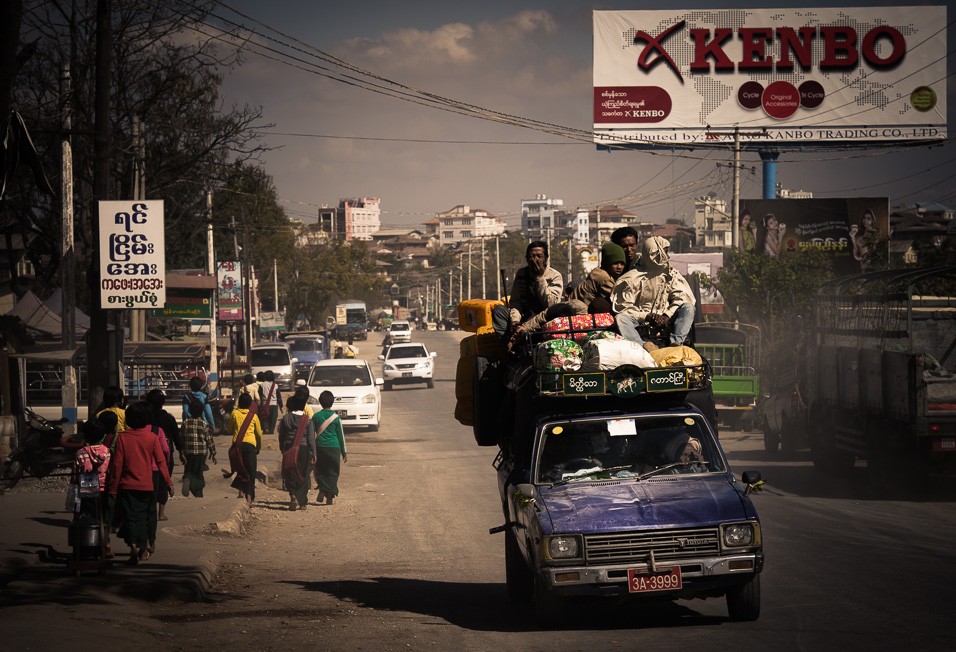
x=403, y=560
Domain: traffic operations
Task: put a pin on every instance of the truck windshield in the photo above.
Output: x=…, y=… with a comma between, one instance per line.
x=340, y=376
x=629, y=447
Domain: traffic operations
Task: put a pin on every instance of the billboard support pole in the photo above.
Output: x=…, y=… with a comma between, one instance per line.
x=769, y=159
x=735, y=218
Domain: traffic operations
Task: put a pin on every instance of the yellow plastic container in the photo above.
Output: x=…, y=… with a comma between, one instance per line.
x=475, y=313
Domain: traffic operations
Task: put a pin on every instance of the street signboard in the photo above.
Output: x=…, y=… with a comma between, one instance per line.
x=132, y=254
x=229, y=290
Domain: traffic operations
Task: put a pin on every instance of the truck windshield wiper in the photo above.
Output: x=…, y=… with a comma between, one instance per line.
x=610, y=469
x=668, y=467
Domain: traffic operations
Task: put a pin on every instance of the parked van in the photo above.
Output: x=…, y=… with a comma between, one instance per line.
x=276, y=356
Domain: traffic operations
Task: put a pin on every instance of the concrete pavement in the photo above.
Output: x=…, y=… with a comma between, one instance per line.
x=34, y=549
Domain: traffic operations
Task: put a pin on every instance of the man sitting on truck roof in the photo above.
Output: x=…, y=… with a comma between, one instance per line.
x=653, y=301
x=584, y=297
x=536, y=287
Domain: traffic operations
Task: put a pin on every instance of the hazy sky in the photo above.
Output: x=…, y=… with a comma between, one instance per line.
x=525, y=58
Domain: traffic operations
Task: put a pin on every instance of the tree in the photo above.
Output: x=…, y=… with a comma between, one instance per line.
x=770, y=292
x=164, y=76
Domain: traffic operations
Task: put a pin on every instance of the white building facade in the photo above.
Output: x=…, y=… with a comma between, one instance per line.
x=462, y=223
x=538, y=217
x=358, y=219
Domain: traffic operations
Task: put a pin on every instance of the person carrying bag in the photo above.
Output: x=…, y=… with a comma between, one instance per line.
x=246, y=433
x=297, y=441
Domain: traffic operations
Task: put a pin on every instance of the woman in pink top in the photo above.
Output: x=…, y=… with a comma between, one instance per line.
x=131, y=479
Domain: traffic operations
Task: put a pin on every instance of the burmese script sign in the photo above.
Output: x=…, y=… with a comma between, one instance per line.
x=132, y=254
x=787, y=76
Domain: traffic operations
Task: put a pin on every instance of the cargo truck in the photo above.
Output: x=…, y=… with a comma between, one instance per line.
x=612, y=482
x=879, y=381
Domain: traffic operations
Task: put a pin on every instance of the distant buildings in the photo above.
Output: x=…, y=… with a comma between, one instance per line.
x=463, y=223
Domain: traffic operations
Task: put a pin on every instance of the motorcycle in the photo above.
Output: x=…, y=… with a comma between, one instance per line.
x=42, y=451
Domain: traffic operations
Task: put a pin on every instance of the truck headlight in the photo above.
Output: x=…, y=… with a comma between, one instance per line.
x=368, y=398
x=564, y=547
x=389, y=367
x=740, y=535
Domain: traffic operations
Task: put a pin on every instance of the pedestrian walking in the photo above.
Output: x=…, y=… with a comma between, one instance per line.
x=131, y=480
x=199, y=446
x=246, y=433
x=164, y=424
x=196, y=386
x=113, y=401
x=271, y=400
x=297, y=443
x=94, y=457
x=329, y=449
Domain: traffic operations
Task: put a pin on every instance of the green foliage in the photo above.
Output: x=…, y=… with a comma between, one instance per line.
x=325, y=275
x=771, y=292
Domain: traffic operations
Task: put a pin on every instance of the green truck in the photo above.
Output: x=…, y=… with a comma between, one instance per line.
x=733, y=351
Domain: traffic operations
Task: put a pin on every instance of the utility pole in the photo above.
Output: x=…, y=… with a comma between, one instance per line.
x=469, y=269
x=735, y=218
x=484, y=294
x=461, y=278
x=100, y=372
x=68, y=259
x=137, y=317
x=498, y=266
x=213, y=326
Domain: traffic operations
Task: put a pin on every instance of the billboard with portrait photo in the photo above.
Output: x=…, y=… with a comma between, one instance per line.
x=848, y=228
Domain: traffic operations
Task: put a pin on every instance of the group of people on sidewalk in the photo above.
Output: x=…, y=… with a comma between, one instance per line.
x=312, y=443
x=131, y=450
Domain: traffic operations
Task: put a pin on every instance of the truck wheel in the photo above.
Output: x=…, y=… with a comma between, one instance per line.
x=431, y=383
x=771, y=441
x=12, y=473
x=743, y=601
x=517, y=574
x=789, y=436
x=387, y=386
x=550, y=609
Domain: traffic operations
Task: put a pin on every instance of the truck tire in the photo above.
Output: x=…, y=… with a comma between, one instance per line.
x=486, y=392
x=771, y=441
x=743, y=601
x=12, y=473
x=550, y=609
x=518, y=576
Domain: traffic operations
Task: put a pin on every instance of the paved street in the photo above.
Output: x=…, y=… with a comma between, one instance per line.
x=403, y=560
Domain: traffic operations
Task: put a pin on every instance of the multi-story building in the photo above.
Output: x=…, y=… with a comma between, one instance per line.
x=538, y=217
x=712, y=222
x=463, y=223
x=358, y=219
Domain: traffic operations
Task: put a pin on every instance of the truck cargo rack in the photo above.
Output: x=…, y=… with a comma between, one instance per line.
x=623, y=382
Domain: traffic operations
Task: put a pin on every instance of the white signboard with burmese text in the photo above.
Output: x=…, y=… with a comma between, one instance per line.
x=132, y=254
x=804, y=75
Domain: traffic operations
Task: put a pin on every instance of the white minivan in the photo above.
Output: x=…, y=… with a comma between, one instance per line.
x=275, y=356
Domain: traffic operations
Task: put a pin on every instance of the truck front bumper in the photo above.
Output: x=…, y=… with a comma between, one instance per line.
x=699, y=575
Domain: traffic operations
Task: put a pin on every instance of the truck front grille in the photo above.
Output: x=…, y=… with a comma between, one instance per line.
x=636, y=547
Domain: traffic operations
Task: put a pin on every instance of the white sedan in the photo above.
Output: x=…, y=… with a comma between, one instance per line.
x=358, y=400
x=407, y=363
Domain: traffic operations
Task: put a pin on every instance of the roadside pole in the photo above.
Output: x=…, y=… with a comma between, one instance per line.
x=213, y=378
x=68, y=393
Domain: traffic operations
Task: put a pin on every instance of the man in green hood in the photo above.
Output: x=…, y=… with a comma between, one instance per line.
x=653, y=301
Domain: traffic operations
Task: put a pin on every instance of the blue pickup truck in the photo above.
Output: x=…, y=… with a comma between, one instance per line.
x=308, y=348
x=613, y=483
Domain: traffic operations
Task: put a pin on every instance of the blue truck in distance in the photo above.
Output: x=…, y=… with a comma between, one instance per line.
x=351, y=318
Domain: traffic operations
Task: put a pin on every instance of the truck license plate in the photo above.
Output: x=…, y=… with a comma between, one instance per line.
x=668, y=579
x=406, y=374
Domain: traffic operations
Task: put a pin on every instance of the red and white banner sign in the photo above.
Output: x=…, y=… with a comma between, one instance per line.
x=690, y=77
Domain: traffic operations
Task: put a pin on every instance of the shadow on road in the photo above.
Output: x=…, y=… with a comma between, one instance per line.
x=485, y=607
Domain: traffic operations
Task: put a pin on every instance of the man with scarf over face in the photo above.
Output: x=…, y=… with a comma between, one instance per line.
x=653, y=298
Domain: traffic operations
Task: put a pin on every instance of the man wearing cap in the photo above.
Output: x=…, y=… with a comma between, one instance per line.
x=653, y=301
x=592, y=295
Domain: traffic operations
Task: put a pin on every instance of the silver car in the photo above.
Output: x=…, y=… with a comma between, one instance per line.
x=407, y=363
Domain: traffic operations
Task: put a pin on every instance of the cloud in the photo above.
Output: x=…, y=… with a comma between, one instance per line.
x=452, y=44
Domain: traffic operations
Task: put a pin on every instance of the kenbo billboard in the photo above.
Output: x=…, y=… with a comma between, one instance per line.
x=786, y=76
